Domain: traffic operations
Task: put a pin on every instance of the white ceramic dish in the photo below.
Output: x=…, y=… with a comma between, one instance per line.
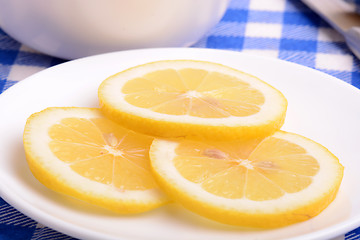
x=77, y=28
x=321, y=107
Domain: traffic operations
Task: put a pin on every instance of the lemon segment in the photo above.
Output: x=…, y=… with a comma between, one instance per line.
x=78, y=152
x=194, y=99
x=270, y=182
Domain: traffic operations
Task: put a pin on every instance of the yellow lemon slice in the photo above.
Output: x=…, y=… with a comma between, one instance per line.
x=78, y=152
x=194, y=99
x=280, y=180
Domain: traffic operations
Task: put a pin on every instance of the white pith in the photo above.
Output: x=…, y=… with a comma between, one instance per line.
x=245, y=163
x=115, y=152
x=271, y=109
x=38, y=139
x=193, y=94
x=163, y=153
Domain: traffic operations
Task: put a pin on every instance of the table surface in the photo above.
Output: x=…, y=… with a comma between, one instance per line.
x=284, y=29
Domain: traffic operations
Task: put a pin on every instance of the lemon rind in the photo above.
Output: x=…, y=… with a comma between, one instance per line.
x=285, y=210
x=58, y=176
x=263, y=123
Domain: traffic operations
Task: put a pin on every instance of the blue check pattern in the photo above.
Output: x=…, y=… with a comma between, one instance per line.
x=284, y=29
x=356, y=3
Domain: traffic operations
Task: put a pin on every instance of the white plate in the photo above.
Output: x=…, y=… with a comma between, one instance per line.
x=321, y=107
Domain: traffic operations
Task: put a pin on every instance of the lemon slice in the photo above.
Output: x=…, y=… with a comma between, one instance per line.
x=78, y=152
x=280, y=180
x=194, y=99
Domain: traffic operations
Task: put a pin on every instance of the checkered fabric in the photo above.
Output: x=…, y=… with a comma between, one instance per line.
x=356, y=3
x=284, y=29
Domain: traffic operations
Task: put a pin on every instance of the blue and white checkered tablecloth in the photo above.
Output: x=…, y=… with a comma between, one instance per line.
x=284, y=29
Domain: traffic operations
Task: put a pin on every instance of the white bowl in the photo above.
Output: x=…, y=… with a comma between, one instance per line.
x=77, y=28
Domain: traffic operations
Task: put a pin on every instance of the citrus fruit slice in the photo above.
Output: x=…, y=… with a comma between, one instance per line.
x=279, y=180
x=78, y=152
x=192, y=98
